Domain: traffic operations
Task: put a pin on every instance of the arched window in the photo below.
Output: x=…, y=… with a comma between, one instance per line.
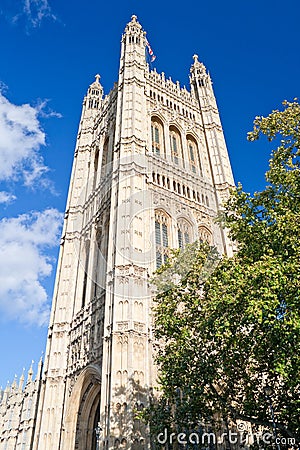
x=184, y=233
x=86, y=268
x=96, y=164
x=176, y=147
x=157, y=137
x=162, y=224
x=105, y=158
x=193, y=153
x=205, y=234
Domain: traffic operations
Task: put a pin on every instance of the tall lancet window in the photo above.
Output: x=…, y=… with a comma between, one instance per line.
x=193, y=153
x=86, y=268
x=105, y=158
x=176, y=147
x=162, y=224
x=96, y=164
x=184, y=233
x=157, y=137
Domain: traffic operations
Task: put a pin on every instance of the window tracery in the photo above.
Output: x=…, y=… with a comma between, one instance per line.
x=176, y=147
x=205, y=234
x=162, y=224
x=184, y=233
x=157, y=137
x=193, y=154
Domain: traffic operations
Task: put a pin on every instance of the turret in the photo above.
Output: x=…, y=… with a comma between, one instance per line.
x=201, y=88
x=131, y=83
x=92, y=102
x=200, y=80
x=133, y=46
x=198, y=71
x=94, y=94
x=134, y=34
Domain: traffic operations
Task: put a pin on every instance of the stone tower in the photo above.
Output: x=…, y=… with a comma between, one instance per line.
x=150, y=172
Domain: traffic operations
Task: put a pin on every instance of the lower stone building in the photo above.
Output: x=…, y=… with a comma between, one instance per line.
x=18, y=411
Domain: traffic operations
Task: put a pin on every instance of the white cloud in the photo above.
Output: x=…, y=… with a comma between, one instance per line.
x=21, y=138
x=30, y=13
x=36, y=11
x=6, y=197
x=24, y=264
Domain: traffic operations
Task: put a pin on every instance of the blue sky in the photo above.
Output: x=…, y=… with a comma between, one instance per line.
x=50, y=51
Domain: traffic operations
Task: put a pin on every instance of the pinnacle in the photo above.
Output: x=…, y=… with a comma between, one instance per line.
x=134, y=22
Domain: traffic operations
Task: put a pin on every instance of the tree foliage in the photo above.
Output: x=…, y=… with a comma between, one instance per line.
x=227, y=333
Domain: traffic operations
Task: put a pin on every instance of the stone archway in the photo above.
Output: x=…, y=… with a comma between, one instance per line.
x=83, y=411
x=88, y=414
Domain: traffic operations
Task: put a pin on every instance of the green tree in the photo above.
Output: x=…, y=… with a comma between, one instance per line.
x=231, y=329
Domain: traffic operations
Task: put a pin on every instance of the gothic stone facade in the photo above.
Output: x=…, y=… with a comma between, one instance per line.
x=150, y=172
x=18, y=411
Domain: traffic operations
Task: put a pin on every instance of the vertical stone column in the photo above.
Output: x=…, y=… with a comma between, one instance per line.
x=125, y=375
x=220, y=167
x=67, y=290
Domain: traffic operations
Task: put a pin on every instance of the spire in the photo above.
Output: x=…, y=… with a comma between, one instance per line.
x=6, y=393
x=21, y=382
x=40, y=365
x=30, y=373
x=14, y=384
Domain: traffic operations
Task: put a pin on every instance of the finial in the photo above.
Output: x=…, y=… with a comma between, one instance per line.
x=14, y=384
x=40, y=367
x=21, y=382
x=97, y=78
x=30, y=373
x=133, y=18
x=195, y=58
x=6, y=393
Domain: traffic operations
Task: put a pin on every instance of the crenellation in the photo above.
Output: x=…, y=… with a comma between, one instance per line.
x=158, y=82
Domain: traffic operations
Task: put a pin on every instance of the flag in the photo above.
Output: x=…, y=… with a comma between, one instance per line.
x=150, y=51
